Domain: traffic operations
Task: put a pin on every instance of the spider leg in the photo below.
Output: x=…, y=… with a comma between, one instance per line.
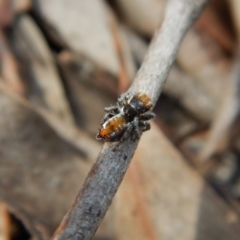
x=138, y=130
x=147, y=116
x=110, y=112
x=112, y=109
x=133, y=130
x=144, y=125
x=106, y=117
x=123, y=99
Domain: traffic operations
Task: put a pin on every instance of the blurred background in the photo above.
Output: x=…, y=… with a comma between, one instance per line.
x=62, y=62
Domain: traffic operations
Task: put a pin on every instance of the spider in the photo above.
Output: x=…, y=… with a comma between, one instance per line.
x=131, y=112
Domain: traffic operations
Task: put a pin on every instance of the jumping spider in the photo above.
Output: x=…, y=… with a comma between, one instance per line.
x=131, y=112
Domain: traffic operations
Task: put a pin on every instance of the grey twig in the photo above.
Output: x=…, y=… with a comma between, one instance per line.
x=103, y=180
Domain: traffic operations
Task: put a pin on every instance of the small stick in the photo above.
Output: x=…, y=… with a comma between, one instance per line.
x=103, y=180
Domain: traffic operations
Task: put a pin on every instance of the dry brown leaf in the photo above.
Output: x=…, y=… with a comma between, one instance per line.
x=82, y=85
x=127, y=69
x=84, y=27
x=10, y=68
x=44, y=84
x=200, y=57
x=40, y=172
x=235, y=5
x=22, y=5
x=142, y=15
x=225, y=116
x=6, y=13
x=210, y=23
x=4, y=222
x=187, y=91
x=137, y=45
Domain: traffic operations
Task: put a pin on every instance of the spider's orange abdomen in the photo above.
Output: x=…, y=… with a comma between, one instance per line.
x=113, y=127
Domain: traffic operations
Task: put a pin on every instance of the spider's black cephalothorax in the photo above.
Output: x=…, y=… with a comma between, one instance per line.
x=132, y=112
x=135, y=107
